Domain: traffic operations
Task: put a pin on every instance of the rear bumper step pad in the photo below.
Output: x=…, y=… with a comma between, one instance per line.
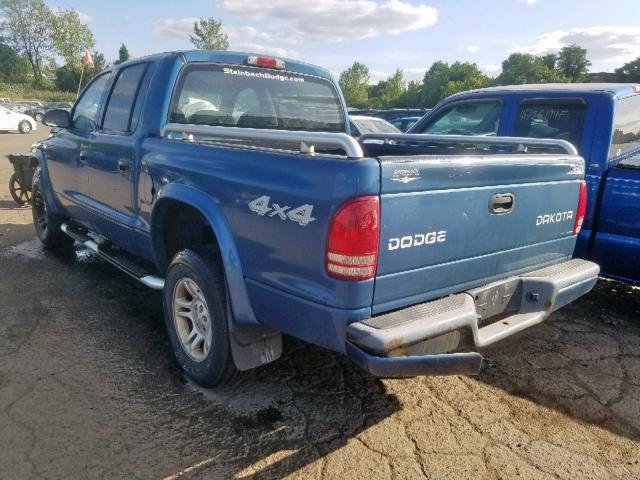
x=516, y=303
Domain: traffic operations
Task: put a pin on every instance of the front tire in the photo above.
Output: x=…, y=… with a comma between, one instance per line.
x=196, y=317
x=24, y=126
x=38, y=117
x=47, y=223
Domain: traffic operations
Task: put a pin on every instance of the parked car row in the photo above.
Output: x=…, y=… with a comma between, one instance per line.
x=34, y=108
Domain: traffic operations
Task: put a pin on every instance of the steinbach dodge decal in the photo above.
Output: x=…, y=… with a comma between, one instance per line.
x=264, y=75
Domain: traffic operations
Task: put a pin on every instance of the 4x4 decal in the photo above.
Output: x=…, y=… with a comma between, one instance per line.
x=300, y=215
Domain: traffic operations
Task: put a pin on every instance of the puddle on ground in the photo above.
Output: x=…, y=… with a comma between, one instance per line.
x=257, y=406
x=84, y=255
x=31, y=249
x=245, y=397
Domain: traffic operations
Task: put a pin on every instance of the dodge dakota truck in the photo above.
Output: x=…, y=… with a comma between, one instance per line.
x=602, y=121
x=230, y=182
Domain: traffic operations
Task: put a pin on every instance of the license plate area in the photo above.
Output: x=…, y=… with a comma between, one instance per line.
x=497, y=299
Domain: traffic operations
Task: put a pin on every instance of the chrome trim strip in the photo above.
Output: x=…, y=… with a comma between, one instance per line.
x=520, y=142
x=155, y=283
x=186, y=132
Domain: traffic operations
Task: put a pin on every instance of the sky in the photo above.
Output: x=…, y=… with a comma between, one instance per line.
x=382, y=34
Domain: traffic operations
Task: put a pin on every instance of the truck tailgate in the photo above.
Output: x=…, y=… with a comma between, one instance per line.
x=450, y=223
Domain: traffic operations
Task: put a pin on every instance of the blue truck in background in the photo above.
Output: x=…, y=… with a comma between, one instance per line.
x=229, y=181
x=601, y=120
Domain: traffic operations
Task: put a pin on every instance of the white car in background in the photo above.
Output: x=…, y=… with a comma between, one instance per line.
x=13, y=121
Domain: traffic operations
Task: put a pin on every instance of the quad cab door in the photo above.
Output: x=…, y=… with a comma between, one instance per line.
x=111, y=159
x=67, y=150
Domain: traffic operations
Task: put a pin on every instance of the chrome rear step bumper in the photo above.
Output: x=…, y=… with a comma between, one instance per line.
x=417, y=340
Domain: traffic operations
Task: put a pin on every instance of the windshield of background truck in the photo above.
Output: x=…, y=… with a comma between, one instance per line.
x=466, y=118
x=626, y=127
x=241, y=96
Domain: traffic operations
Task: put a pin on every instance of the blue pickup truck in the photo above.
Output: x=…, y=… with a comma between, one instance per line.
x=230, y=182
x=601, y=120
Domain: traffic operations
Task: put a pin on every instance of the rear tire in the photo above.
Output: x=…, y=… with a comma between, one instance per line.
x=24, y=127
x=47, y=223
x=196, y=317
x=38, y=117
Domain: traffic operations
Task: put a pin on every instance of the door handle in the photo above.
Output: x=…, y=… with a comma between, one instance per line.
x=501, y=203
x=124, y=165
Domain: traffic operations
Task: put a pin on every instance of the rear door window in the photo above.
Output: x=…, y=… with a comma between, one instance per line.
x=547, y=118
x=626, y=126
x=466, y=118
x=118, y=115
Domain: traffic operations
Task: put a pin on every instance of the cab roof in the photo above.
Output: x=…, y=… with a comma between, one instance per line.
x=617, y=89
x=240, y=58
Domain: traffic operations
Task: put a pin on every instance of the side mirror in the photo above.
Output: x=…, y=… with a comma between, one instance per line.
x=56, y=118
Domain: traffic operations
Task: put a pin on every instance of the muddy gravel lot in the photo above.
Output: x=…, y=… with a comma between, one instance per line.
x=89, y=389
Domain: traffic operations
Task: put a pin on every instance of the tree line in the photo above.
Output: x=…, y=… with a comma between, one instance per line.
x=33, y=36
x=571, y=64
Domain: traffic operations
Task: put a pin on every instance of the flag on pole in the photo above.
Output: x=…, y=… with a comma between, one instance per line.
x=87, y=59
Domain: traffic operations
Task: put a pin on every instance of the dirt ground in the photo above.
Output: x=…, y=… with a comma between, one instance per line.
x=89, y=389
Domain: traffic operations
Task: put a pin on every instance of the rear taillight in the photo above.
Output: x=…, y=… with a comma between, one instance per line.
x=582, y=208
x=352, y=244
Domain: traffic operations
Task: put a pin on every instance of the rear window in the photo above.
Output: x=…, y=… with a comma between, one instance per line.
x=562, y=121
x=626, y=126
x=467, y=118
x=240, y=96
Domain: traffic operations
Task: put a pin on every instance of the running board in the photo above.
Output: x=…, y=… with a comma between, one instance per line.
x=115, y=258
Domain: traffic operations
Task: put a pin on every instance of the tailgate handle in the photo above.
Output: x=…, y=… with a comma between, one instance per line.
x=501, y=203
